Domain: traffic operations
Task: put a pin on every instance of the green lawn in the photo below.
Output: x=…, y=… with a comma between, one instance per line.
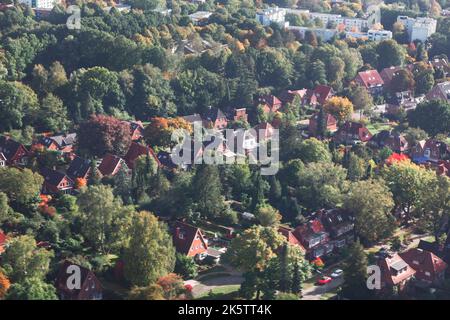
x=374, y=128
x=221, y=293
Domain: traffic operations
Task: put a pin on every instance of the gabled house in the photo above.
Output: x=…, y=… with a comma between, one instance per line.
x=214, y=118
x=110, y=165
x=371, y=80
x=165, y=158
x=3, y=239
x=314, y=238
x=429, y=267
x=351, y=132
x=441, y=91
x=189, y=240
x=288, y=233
x=136, y=130
x=90, y=287
x=322, y=93
x=270, y=103
x=2, y=160
x=394, y=141
x=395, y=273
x=56, y=182
x=135, y=151
x=79, y=168
x=339, y=224
x=387, y=74
x=289, y=96
x=62, y=143
x=264, y=131
x=440, y=64
x=14, y=152
x=430, y=150
x=330, y=123
x=239, y=114
x=193, y=118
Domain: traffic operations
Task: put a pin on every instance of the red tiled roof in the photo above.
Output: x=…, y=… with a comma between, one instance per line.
x=424, y=261
x=322, y=93
x=110, y=165
x=183, y=244
x=290, y=237
x=2, y=241
x=370, y=78
x=388, y=266
x=135, y=151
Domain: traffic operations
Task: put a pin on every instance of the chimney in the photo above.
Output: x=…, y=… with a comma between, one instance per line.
x=177, y=232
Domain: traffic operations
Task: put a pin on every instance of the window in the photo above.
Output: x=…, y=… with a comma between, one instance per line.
x=427, y=273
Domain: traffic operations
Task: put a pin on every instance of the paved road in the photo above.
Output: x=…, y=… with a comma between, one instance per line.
x=316, y=292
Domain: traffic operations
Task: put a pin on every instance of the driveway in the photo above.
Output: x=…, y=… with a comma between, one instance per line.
x=212, y=281
x=317, y=292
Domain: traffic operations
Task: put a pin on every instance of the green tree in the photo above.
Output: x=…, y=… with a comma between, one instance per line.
x=150, y=253
x=32, y=289
x=370, y=202
x=207, y=190
x=104, y=220
x=390, y=54
x=355, y=273
x=21, y=186
x=267, y=215
x=52, y=115
x=314, y=150
x=431, y=116
x=23, y=259
x=185, y=266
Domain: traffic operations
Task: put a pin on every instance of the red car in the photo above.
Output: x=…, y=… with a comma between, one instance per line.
x=324, y=280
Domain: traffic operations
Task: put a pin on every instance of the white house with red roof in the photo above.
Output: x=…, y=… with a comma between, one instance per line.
x=371, y=80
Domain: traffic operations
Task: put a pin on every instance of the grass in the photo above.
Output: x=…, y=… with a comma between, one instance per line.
x=212, y=276
x=330, y=294
x=228, y=292
x=374, y=128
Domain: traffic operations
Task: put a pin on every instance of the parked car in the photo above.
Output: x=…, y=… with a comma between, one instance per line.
x=324, y=280
x=337, y=273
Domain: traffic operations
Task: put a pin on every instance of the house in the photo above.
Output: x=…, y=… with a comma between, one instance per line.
x=429, y=150
x=443, y=168
x=429, y=267
x=314, y=238
x=240, y=114
x=264, y=131
x=339, y=224
x=110, y=165
x=135, y=151
x=62, y=143
x=165, y=158
x=395, y=273
x=371, y=80
x=288, y=233
x=193, y=119
x=56, y=182
x=14, y=152
x=441, y=65
x=90, y=287
x=330, y=123
x=2, y=160
x=79, y=168
x=270, y=103
x=136, y=129
x=189, y=240
x=289, y=96
x=441, y=91
x=394, y=141
x=3, y=239
x=322, y=93
x=214, y=118
x=352, y=132
x=387, y=74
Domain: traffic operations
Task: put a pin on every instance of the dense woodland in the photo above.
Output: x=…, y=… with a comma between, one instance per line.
x=129, y=66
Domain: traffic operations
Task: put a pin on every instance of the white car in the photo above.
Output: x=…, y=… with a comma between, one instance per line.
x=337, y=273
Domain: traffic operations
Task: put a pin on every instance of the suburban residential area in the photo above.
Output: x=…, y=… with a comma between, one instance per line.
x=224, y=150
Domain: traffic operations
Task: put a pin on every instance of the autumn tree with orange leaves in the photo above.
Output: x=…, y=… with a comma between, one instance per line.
x=339, y=107
x=159, y=131
x=4, y=285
